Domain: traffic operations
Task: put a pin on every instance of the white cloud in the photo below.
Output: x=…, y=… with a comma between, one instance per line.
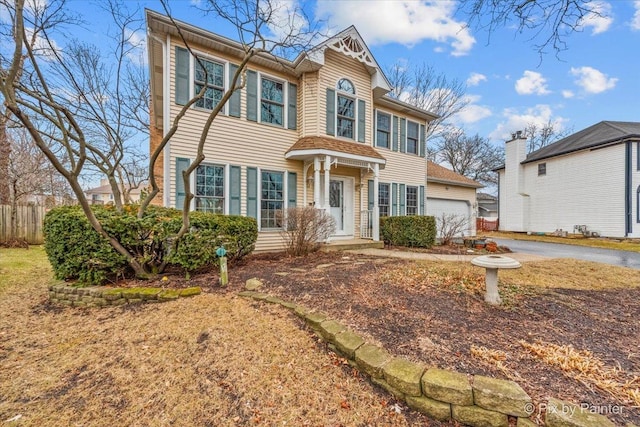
x=592, y=80
x=404, y=22
x=532, y=82
x=475, y=79
x=30, y=7
x=514, y=120
x=600, y=19
x=287, y=23
x=473, y=112
x=568, y=94
x=635, y=22
x=138, y=46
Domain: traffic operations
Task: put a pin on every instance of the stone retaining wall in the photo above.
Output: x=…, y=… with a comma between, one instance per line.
x=101, y=296
x=441, y=394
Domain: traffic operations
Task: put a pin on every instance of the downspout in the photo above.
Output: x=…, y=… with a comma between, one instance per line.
x=627, y=189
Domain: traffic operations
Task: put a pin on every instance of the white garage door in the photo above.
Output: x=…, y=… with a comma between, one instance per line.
x=460, y=208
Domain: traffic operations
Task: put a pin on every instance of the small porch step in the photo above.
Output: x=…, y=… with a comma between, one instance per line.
x=345, y=245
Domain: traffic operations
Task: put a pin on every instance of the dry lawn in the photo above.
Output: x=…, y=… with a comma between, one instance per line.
x=560, y=273
x=212, y=360
x=621, y=245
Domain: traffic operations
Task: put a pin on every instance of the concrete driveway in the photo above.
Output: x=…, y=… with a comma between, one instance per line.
x=559, y=250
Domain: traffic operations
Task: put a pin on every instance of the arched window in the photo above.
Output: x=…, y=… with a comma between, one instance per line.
x=345, y=85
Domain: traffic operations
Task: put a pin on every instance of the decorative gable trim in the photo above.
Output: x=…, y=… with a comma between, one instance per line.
x=353, y=47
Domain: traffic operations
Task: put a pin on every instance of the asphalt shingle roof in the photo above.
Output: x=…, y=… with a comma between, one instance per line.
x=605, y=132
x=332, y=144
x=438, y=173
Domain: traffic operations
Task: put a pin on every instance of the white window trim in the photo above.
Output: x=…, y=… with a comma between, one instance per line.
x=406, y=199
x=226, y=175
x=406, y=133
x=192, y=76
x=285, y=100
x=375, y=125
x=355, y=115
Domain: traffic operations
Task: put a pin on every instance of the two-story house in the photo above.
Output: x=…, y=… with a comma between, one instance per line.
x=316, y=131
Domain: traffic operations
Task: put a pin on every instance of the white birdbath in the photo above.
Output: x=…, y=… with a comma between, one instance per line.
x=493, y=263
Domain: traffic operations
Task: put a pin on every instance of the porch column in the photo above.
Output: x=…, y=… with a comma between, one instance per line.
x=316, y=182
x=376, y=208
x=327, y=183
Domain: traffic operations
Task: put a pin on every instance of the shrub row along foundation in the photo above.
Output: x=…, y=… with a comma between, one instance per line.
x=439, y=393
x=101, y=297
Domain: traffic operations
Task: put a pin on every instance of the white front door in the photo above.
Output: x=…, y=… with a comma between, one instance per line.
x=341, y=204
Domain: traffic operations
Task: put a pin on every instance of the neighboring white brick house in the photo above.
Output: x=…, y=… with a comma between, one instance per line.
x=590, y=178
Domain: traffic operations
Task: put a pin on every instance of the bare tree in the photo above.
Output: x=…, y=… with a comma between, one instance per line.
x=423, y=87
x=474, y=157
x=450, y=226
x=30, y=176
x=76, y=106
x=305, y=228
x=548, y=21
x=539, y=136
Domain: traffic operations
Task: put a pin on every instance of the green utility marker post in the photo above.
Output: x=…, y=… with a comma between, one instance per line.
x=221, y=252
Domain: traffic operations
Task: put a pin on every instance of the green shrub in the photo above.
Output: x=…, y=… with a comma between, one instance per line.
x=76, y=251
x=411, y=231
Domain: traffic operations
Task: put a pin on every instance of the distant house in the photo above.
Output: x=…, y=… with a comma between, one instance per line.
x=487, y=206
x=103, y=195
x=590, y=179
x=449, y=193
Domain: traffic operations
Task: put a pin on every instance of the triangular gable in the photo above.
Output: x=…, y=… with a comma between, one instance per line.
x=349, y=42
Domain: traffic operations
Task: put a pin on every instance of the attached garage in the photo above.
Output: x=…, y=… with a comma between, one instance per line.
x=449, y=193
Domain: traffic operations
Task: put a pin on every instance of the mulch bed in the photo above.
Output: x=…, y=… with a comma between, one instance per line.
x=440, y=326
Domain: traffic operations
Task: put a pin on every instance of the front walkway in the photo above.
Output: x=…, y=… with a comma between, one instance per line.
x=519, y=256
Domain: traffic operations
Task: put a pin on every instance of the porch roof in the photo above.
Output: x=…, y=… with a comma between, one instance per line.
x=310, y=146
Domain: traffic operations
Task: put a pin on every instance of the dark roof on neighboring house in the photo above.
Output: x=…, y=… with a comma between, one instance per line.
x=486, y=196
x=437, y=173
x=603, y=133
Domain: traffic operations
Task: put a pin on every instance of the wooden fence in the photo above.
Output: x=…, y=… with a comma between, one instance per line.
x=487, y=225
x=29, y=220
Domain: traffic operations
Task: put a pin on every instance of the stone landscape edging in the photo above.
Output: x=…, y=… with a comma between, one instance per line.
x=438, y=393
x=97, y=296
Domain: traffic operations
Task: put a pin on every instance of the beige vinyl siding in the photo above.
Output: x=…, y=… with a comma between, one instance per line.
x=338, y=66
x=451, y=191
x=309, y=106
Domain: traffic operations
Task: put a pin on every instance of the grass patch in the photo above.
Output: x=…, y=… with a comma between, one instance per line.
x=210, y=360
x=579, y=240
x=23, y=266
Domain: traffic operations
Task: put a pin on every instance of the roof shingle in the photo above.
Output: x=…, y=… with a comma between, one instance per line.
x=332, y=144
x=438, y=173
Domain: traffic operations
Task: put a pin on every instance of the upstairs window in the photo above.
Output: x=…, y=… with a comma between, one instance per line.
x=345, y=85
x=346, y=116
x=542, y=169
x=383, y=130
x=209, y=74
x=413, y=137
x=272, y=102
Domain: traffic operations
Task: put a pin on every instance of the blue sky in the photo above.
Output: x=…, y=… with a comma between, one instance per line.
x=509, y=86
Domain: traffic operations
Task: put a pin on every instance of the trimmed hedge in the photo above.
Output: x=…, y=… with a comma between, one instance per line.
x=77, y=251
x=411, y=231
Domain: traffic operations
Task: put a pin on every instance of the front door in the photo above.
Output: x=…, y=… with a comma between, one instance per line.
x=341, y=205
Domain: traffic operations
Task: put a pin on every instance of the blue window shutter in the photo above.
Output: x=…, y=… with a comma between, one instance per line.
x=395, y=133
x=234, y=101
x=394, y=199
x=293, y=106
x=252, y=192
x=421, y=148
x=403, y=202
x=370, y=194
x=403, y=135
x=292, y=189
x=362, y=114
x=331, y=112
x=182, y=76
x=421, y=195
x=181, y=165
x=234, y=190
x=252, y=96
